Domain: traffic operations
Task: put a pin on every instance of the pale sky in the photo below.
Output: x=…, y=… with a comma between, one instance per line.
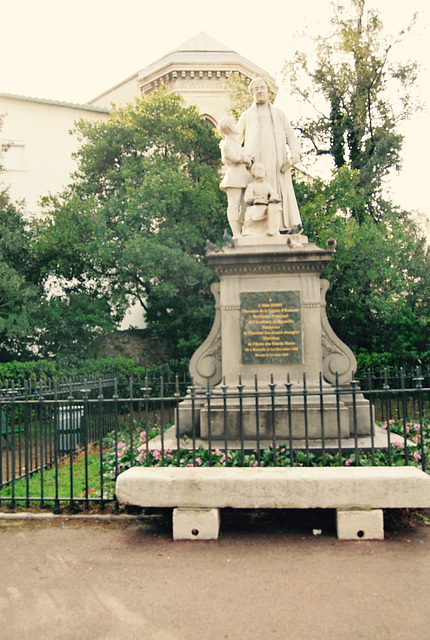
x=72, y=50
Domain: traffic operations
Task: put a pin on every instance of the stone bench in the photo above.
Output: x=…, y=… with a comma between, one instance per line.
x=359, y=494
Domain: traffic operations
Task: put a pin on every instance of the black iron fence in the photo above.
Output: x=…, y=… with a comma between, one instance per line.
x=64, y=442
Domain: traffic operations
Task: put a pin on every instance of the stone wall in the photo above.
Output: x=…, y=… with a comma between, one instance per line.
x=133, y=344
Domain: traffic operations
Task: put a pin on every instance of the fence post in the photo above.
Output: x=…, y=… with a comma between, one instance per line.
x=404, y=416
x=305, y=407
x=386, y=388
x=257, y=418
x=115, y=408
x=70, y=410
x=224, y=405
x=146, y=389
x=100, y=434
x=339, y=431
x=272, y=386
x=208, y=397
x=372, y=408
x=84, y=433
x=419, y=380
x=57, y=509
x=240, y=387
x=193, y=418
x=177, y=420
x=288, y=385
x=354, y=417
x=162, y=419
x=131, y=419
x=13, y=443
x=322, y=420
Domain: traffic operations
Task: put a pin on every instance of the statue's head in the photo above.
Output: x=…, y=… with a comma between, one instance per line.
x=258, y=170
x=259, y=89
x=227, y=125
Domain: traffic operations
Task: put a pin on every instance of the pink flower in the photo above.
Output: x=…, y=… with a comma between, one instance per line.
x=121, y=445
x=218, y=452
x=157, y=454
x=283, y=450
x=417, y=456
x=142, y=435
x=348, y=463
x=255, y=463
x=397, y=443
x=199, y=461
x=190, y=464
x=222, y=459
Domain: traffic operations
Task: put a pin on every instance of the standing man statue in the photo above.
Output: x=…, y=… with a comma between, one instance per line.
x=267, y=137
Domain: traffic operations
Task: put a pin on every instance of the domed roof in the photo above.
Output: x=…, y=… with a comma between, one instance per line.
x=196, y=70
x=202, y=42
x=201, y=51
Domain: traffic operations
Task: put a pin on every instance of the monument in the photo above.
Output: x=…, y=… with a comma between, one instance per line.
x=271, y=360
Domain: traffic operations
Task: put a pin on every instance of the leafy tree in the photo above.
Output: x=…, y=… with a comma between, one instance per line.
x=133, y=223
x=379, y=298
x=20, y=288
x=378, y=301
x=69, y=324
x=350, y=84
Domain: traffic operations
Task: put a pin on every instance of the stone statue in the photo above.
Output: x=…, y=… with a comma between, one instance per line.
x=262, y=215
x=267, y=137
x=236, y=177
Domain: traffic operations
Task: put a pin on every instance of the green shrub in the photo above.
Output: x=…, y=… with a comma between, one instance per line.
x=120, y=367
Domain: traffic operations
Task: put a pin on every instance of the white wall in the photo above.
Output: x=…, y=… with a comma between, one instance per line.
x=42, y=159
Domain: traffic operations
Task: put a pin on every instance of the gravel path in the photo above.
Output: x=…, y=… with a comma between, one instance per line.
x=267, y=577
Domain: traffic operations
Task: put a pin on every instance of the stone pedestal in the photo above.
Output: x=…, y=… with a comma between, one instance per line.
x=271, y=326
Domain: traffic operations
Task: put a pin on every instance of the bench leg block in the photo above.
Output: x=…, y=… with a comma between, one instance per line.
x=196, y=524
x=356, y=524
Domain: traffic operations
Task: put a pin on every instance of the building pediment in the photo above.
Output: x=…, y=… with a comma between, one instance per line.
x=199, y=60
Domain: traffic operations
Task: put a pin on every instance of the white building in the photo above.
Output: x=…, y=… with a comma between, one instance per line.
x=35, y=136
x=196, y=70
x=37, y=145
x=35, y=133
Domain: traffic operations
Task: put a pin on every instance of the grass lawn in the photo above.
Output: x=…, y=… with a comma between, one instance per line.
x=72, y=482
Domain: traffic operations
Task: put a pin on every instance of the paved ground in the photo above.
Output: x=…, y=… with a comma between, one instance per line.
x=267, y=577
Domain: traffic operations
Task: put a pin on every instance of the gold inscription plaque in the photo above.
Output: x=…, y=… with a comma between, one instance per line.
x=271, y=327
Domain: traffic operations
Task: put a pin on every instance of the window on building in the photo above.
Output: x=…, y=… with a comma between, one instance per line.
x=13, y=153
x=210, y=121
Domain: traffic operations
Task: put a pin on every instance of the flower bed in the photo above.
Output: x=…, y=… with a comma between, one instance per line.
x=407, y=444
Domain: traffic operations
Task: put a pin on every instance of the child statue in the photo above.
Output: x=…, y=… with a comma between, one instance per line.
x=237, y=175
x=263, y=213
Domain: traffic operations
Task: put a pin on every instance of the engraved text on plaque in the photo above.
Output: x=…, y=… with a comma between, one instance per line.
x=271, y=327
